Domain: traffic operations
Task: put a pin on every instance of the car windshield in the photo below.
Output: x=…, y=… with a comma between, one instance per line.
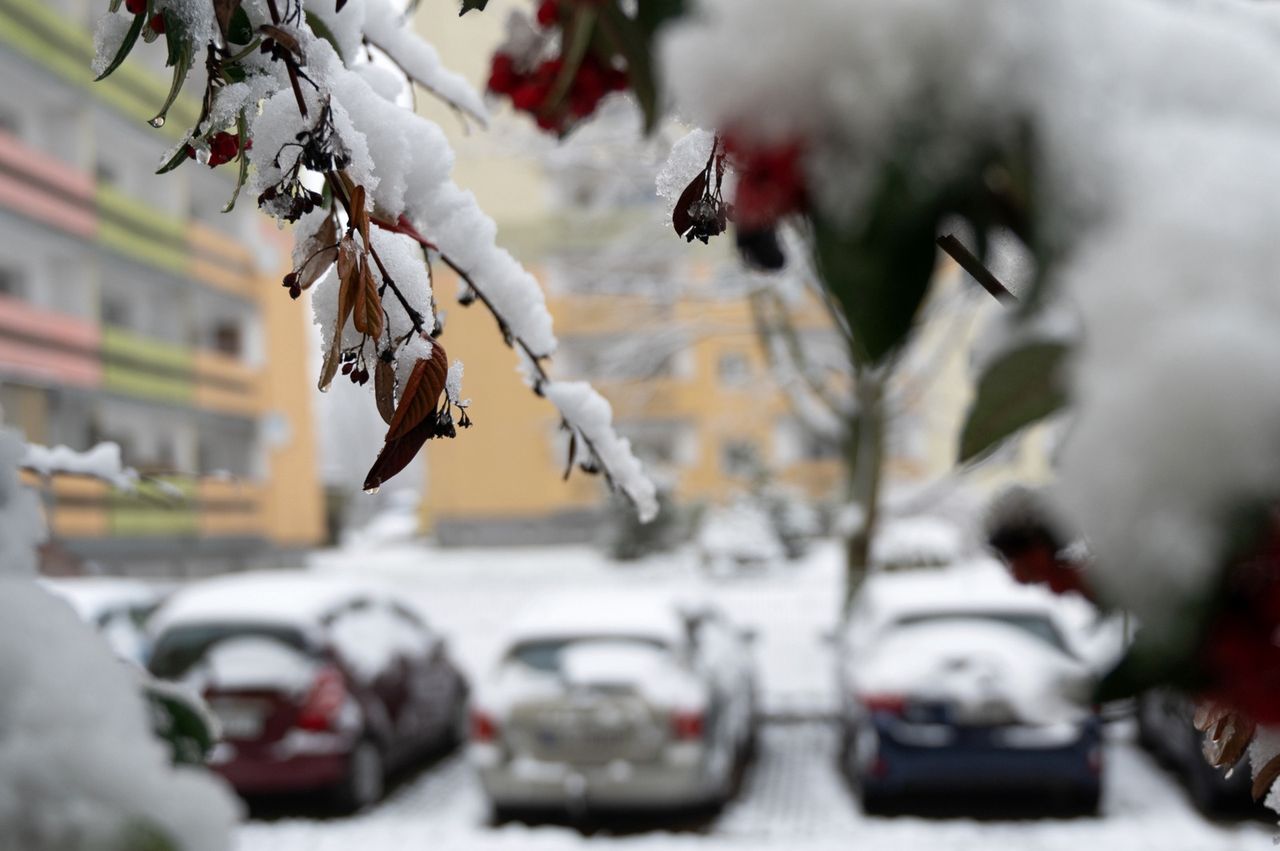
x=545, y=654
x=1035, y=624
x=181, y=647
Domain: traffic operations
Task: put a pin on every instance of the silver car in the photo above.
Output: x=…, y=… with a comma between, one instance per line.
x=615, y=702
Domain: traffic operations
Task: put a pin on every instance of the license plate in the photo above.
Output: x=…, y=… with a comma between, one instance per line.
x=239, y=720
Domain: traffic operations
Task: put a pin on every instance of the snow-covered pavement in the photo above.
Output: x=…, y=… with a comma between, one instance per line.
x=792, y=798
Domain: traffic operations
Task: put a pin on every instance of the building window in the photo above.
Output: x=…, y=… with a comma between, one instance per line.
x=739, y=458
x=115, y=311
x=11, y=282
x=733, y=369
x=228, y=339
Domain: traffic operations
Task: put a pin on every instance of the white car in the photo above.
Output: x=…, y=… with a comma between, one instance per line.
x=962, y=681
x=117, y=607
x=622, y=701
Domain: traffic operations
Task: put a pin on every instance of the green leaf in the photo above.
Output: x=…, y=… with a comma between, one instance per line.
x=468, y=5
x=176, y=160
x=631, y=40
x=240, y=29
x=142, y=834
x=651, y=14
x=130, y=39
x=320, y=28
x=242, y=129
x=181, y=55
x=880, y=273
x=1019, y=388
x=577, y=38
x=181, y=720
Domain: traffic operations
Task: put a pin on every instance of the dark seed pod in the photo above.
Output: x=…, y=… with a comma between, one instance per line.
x=761, y=249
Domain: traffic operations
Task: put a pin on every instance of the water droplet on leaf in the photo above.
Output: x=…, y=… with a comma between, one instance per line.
x=157, y=122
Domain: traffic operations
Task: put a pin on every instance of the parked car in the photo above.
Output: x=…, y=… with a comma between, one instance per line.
x=319, y=684
x=959, y=681
x=1165, y=729
x=623, y=702
x=117, y=607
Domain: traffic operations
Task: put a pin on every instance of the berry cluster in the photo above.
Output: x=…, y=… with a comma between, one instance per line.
x=531, y=89
x=223, y=148
x=771, y=182
x=138, y=7
x=1241, y=660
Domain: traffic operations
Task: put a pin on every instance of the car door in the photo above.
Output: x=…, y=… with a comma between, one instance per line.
x=433, y=682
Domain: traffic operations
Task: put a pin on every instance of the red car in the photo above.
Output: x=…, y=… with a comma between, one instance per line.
x=319, y=684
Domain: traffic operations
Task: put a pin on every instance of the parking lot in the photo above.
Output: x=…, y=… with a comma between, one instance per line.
x=792, y=796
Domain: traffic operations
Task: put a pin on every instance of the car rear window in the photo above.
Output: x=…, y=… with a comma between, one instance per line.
x=546, y=654
x=181, y=647
x=1035, y=624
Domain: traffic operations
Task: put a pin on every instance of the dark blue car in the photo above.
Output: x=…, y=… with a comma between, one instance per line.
x=956, y=696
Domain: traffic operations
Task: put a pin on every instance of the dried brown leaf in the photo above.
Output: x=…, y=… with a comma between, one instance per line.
x=282, y=37
x=421, y=393
x=367, y=315
x=347, y=263
x=384, y=389
x=1266, y=777
x=359, y=215
x=397, y=453
x=321, y=251
x=681, y=220
x=1228, y=739
x=1208, y=714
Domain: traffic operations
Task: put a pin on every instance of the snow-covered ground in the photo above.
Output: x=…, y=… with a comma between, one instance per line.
x=792, y=798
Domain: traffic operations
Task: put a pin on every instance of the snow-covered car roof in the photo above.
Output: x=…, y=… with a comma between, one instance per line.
x=981, y=587
x=291, y=597
x=587, y=614
x=94, y=596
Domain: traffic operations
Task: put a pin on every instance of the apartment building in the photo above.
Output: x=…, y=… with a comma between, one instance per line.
x=133, y=310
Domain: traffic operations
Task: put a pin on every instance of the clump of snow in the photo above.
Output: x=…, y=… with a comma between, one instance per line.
x=919, y=541
x=252, y=662
x=589, y=412
x=741, y=534
x=384, y=27
x=108, y=35
x=976, y=665
x=103, y=461
x=79, y=766
x=453, y=384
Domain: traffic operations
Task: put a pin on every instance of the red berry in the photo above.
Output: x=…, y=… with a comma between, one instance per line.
x=770, y=182
x=135, y=7
x=157, y=23
x=223, y=147
x=502, y=74
x=190, y=151
x=548, y=12
x=527, y=96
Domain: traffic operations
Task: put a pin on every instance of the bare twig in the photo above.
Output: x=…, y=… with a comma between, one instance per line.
x=971, y=264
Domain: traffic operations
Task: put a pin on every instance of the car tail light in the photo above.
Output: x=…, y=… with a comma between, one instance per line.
x=324, y=701
x=891, y=704
x=687, y=724
x=483, y=728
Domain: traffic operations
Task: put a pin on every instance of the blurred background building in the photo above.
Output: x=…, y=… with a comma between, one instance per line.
x=133, y=310
x=663, y=328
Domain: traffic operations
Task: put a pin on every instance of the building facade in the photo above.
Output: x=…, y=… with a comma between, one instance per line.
x=132, y=310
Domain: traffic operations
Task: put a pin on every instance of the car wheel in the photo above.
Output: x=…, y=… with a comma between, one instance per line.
x=365, y=780
x=1086, y=801
x=459, y=725
x=875, y=802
